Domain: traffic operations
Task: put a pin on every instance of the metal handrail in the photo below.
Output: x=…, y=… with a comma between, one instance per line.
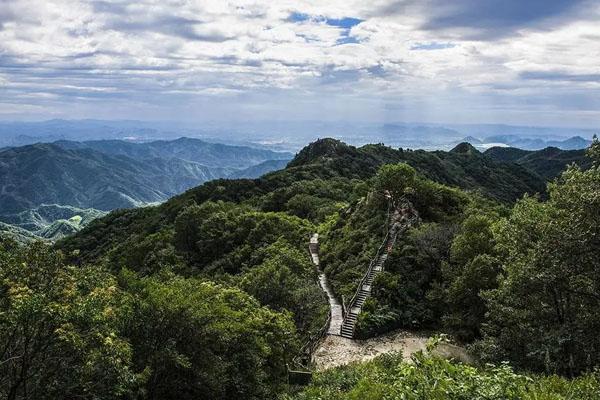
x=378, y=254
x=373, y=260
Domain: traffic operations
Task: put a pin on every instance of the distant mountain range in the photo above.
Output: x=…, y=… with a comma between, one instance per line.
x=572, y=143
x=293, y=135
x=52, y=189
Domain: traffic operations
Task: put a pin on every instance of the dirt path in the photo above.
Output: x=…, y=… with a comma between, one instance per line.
x=336, y=350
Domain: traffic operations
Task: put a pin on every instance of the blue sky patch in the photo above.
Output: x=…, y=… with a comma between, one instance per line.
x=346, y=39
x=298, y=17
x=346, y=23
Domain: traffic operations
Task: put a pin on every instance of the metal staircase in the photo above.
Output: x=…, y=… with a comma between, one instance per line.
x=401, y=220
x=364, y=289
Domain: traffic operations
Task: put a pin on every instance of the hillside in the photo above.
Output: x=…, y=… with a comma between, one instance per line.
x=259, y=170
x=213, y=294
x=547, y=163
x=213, y=155
x=314, y=183
x=463, y=167
x=85, y=178
x=106, y=175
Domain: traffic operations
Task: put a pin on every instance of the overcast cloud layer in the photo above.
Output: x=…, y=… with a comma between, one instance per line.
x=528, y=62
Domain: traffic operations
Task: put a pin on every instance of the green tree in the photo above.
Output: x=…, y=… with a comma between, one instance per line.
x=396, y=180
x=593, y=151
x=198, y=340
x=59, y=329
x=472, y=269
x=188, y=222
x=286, y=280
x=544, y=313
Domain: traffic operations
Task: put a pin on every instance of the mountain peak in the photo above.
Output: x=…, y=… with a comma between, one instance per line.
x=471, y=140
x=465, y=148
x=321, y=149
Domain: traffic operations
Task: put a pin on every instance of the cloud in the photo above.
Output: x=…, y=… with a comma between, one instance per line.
x=432, y=46
x=425, y=57
x=488, y=19
x=559, y=76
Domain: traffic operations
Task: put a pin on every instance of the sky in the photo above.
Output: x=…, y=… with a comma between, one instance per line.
x=534, y=62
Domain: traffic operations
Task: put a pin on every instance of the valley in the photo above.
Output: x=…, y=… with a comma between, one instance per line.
x=89, y=179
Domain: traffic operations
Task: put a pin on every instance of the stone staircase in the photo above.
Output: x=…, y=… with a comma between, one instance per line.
x=401, y=220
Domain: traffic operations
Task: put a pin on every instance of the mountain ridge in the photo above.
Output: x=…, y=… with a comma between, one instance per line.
x=107, y=175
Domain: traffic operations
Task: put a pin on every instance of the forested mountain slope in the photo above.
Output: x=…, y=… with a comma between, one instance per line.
x=464, y=166
x=301, y=186
x=547, y=163
x=85, y=178
x=212, y=293
x=107, y=175
x=213, y=155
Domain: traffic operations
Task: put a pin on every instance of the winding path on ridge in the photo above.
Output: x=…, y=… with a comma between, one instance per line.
x=337, y=317
x=334, y=350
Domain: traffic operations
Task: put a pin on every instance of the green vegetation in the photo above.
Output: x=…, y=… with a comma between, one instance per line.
x=547, y=163
x=59, y=328
x=211, y=294
x=432, y=378
x=44, y=185
x=80, y=332
x=543, y=314
x=47, y=221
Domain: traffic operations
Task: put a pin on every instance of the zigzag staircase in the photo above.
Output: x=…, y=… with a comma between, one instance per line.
x=402, y=218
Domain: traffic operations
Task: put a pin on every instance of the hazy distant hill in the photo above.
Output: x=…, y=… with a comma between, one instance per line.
x=49, y=174
x=196, y=150
x=106, y=175
x=573, y=143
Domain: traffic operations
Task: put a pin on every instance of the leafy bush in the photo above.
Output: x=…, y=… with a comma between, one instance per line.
x=431, y=378
x=59, y=329
x=194, y=339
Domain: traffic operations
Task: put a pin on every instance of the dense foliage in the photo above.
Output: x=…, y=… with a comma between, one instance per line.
x=212, y=293
x=432, y=378
x=543, y=315
x=59, y=328
x=520, y=284
x=80, y=332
